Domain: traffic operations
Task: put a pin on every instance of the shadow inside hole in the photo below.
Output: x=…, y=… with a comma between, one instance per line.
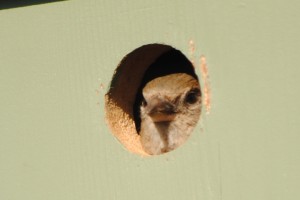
x=129, y=75
x=21, y=3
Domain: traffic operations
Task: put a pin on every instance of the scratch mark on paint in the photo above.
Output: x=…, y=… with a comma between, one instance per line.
x=192, y=49
x=101, y=86
x=99, y=90
x=204, y=74
x=207, y=89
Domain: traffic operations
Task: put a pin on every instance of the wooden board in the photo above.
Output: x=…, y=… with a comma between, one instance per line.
x=57, y=61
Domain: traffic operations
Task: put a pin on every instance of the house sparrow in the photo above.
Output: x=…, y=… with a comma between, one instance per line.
x=169, y=111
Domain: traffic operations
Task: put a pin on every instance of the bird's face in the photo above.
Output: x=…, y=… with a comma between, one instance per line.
x=169, y=111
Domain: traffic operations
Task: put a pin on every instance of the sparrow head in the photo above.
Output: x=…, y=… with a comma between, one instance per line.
x=169, y=111
x=171, y=96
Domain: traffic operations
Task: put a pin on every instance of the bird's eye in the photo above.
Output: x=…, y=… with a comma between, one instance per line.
x=192, y=96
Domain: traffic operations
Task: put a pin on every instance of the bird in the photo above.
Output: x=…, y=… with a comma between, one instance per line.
x=169, y=110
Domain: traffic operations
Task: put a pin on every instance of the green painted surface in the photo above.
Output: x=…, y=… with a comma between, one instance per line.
x=54, y=143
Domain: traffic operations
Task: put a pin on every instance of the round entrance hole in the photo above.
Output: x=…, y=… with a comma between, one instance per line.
x=154, y=100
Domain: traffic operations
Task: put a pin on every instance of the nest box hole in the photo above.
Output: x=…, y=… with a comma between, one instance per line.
x=154, y=100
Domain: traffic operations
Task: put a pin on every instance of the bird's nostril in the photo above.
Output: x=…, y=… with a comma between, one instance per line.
x=163, y=107
x=168, y=108
x=162, y=112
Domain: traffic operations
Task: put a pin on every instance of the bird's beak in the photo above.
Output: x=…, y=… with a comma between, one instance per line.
x=162, y=111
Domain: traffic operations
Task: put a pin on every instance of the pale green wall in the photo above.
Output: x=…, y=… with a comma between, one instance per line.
x=54, y=143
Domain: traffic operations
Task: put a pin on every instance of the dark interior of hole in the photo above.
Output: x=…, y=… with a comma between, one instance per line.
x=170, y=62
